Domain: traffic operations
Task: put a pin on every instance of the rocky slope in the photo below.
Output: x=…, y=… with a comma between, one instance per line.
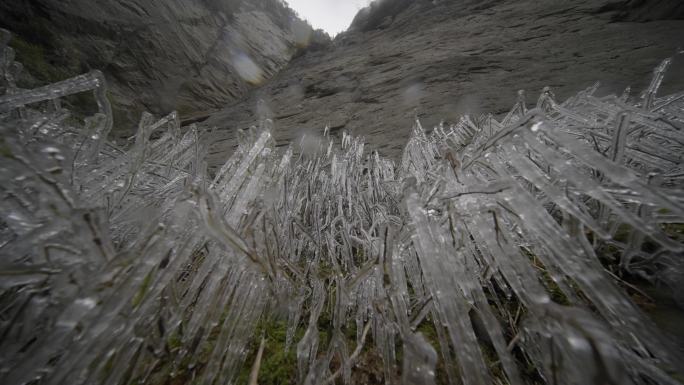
x=439, y=59
x=158, y=55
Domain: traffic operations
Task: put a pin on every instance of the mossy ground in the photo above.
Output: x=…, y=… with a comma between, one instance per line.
x=45, y=67
x=40, y=59
x=427, y=329
x=35, y=59
x=279, y=362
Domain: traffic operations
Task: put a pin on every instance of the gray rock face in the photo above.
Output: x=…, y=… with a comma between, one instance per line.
x=159, y=55
x=440, y=59
x=646, y=10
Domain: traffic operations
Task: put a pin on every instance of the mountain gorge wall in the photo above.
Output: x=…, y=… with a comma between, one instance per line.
x=440, y=59
x=228, y=63
x=157, y=55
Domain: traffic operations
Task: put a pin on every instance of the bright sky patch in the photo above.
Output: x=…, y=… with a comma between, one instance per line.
x=332, y=16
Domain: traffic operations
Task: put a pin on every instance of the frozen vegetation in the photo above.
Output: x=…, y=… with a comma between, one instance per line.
x=495, y=253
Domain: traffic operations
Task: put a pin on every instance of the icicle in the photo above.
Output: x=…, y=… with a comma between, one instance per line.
x=658, y=75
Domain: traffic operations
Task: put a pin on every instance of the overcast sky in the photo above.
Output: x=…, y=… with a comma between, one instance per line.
x=332, y=16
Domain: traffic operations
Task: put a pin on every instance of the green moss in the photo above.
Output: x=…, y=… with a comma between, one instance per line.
x=674, y=230
x=278, y=365
x=622, y=233
x=552, y=287
x=109, y=365
x=493, y=362
x=325, y=329
x=174, y=341
x=5, y=149
x=554, y=290
x=46, y=68
x=34, y=57
x=140, y=295
x=350, y=332
x=427, y=329
x=325, y=270
x=528, y=370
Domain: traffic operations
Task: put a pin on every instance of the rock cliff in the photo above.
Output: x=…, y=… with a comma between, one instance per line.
x=158, y=55
x=440, y=59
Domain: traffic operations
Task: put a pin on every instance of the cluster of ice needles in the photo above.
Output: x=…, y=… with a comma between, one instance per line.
x=496, y=252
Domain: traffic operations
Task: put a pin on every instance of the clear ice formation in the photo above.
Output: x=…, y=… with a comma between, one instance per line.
x=498, y=236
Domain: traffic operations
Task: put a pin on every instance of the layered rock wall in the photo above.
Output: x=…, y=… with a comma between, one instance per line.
x=440, y=59
x=158, y=55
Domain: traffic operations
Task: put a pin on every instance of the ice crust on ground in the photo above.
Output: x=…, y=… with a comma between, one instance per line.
x=507, y=238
